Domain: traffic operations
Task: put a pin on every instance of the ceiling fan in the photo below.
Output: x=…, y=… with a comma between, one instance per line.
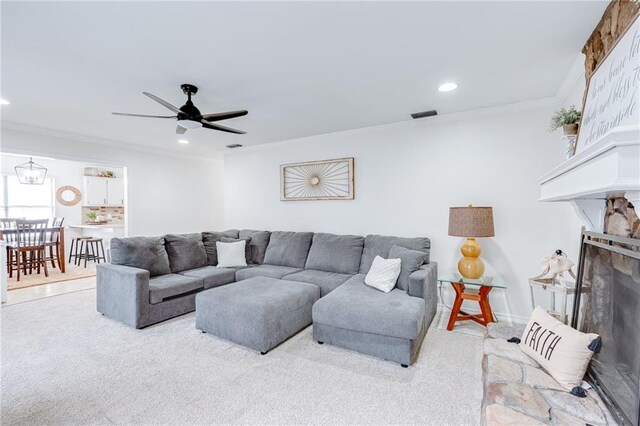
x=189, y=116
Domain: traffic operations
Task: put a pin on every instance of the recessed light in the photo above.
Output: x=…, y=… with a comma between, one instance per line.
x=447, y=87
x=183, y=141
x=3, y=102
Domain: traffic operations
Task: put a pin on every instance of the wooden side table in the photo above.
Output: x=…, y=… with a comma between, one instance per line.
x=485, y=285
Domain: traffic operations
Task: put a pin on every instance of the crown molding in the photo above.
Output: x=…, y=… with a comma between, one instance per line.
x=97, y=141
x=410, y=124
x=573, y=77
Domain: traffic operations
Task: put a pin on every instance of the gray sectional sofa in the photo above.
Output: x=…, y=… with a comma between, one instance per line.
x=152, y=279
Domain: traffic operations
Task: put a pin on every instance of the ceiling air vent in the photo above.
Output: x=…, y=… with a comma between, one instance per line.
x=234, y=145
x=424, y=114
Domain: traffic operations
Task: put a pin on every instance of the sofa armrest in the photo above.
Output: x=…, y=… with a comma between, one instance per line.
x=123, y=293
x=424, y=282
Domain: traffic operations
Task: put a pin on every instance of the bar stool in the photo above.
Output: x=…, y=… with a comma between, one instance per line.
x=92, y=251
x=78, y=249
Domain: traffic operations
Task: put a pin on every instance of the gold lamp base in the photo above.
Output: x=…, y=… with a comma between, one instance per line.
x=471, y=266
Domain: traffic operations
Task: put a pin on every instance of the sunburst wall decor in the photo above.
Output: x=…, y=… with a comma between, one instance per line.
x=317, y=180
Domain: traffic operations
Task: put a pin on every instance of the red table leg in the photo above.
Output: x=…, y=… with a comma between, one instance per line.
x=486, y=315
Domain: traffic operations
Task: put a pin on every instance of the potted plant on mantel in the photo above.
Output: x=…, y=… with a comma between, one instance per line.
x=568, y=119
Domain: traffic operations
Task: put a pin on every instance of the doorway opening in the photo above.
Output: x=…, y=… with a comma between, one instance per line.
x=56, y=230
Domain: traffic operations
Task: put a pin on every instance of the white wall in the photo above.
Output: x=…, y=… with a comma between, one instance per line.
x=407, y=175
x=165, y=193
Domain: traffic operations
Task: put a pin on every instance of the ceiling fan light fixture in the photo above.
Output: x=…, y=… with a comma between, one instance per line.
x=189, y=124
x=30, y=173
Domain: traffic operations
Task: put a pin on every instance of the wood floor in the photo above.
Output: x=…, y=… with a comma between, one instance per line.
x=28, y=294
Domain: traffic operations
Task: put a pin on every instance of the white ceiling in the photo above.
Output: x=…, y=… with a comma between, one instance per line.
x=299, y=68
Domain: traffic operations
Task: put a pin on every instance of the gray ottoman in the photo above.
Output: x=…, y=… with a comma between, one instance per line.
x=259, y=312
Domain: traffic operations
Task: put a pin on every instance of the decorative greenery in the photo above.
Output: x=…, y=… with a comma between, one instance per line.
x=564, y=117
x=92, y=216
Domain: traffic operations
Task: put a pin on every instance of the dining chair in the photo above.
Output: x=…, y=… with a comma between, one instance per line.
x=53, y=240
x=28, y=247
x=9, y=223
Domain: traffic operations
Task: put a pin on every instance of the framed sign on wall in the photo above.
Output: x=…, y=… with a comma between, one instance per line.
x=612, y=100
x=317, y=180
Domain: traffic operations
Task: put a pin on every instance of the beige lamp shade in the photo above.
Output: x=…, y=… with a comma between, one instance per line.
x=471, y=222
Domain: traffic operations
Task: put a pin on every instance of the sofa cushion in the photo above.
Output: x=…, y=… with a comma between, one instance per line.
x=212, y=276
x=210, y=238
x=288, y=248
x=356, y=306
x=380, y=245
x=231, y=233
x=165, y=286
x=327, y=281
x=141, y=252
x=411, y=261
x=258, y=242
x=335, y=253
x=270, y=271
x=185, y=251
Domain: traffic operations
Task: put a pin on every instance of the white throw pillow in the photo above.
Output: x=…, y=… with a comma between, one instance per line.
x=561, y=350
x=383, y=274
x=231, y=255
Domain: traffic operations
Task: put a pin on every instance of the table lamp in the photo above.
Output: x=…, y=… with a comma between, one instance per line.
x=471, y=222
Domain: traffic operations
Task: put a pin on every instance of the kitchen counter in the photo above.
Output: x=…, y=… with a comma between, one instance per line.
x=103, y=226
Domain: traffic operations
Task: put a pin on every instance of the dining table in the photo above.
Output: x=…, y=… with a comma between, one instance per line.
x=51, y=229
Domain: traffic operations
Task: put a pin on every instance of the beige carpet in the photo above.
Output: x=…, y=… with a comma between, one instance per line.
x=72, y=272
x=63, y=363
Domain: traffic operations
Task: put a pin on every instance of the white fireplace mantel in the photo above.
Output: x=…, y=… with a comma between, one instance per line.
x=607, y=168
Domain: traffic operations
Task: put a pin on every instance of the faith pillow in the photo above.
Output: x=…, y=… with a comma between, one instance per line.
x=561, y=350
x=231, y=255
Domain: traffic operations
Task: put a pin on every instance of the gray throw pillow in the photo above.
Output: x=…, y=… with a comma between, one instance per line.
x=209, y=239
x=185, y=251
x=259, y=243
x=141, y=252
x=411, y=260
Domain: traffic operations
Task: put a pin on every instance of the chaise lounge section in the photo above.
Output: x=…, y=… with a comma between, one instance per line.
x=152, y=279
x=386, y=325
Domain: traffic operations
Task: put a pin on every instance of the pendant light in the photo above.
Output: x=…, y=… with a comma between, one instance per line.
x=31, y=173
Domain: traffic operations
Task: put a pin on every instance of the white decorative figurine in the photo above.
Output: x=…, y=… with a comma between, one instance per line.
x=553, y=279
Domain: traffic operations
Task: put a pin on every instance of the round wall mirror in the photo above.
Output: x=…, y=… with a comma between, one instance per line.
x=68, y=195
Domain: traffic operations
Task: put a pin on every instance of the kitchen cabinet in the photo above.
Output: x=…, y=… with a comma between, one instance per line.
x=100, y=191
x=115, y=192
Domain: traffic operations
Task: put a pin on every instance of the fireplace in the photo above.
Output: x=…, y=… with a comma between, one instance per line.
x=610, y=266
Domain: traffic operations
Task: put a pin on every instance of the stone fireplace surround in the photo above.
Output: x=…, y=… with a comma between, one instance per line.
x=517, y=391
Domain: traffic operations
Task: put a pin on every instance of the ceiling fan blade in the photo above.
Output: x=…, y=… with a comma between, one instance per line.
x=163, y=102
x=224, y=115
x=143, y=115
x=221, y=128
x=180, y=130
